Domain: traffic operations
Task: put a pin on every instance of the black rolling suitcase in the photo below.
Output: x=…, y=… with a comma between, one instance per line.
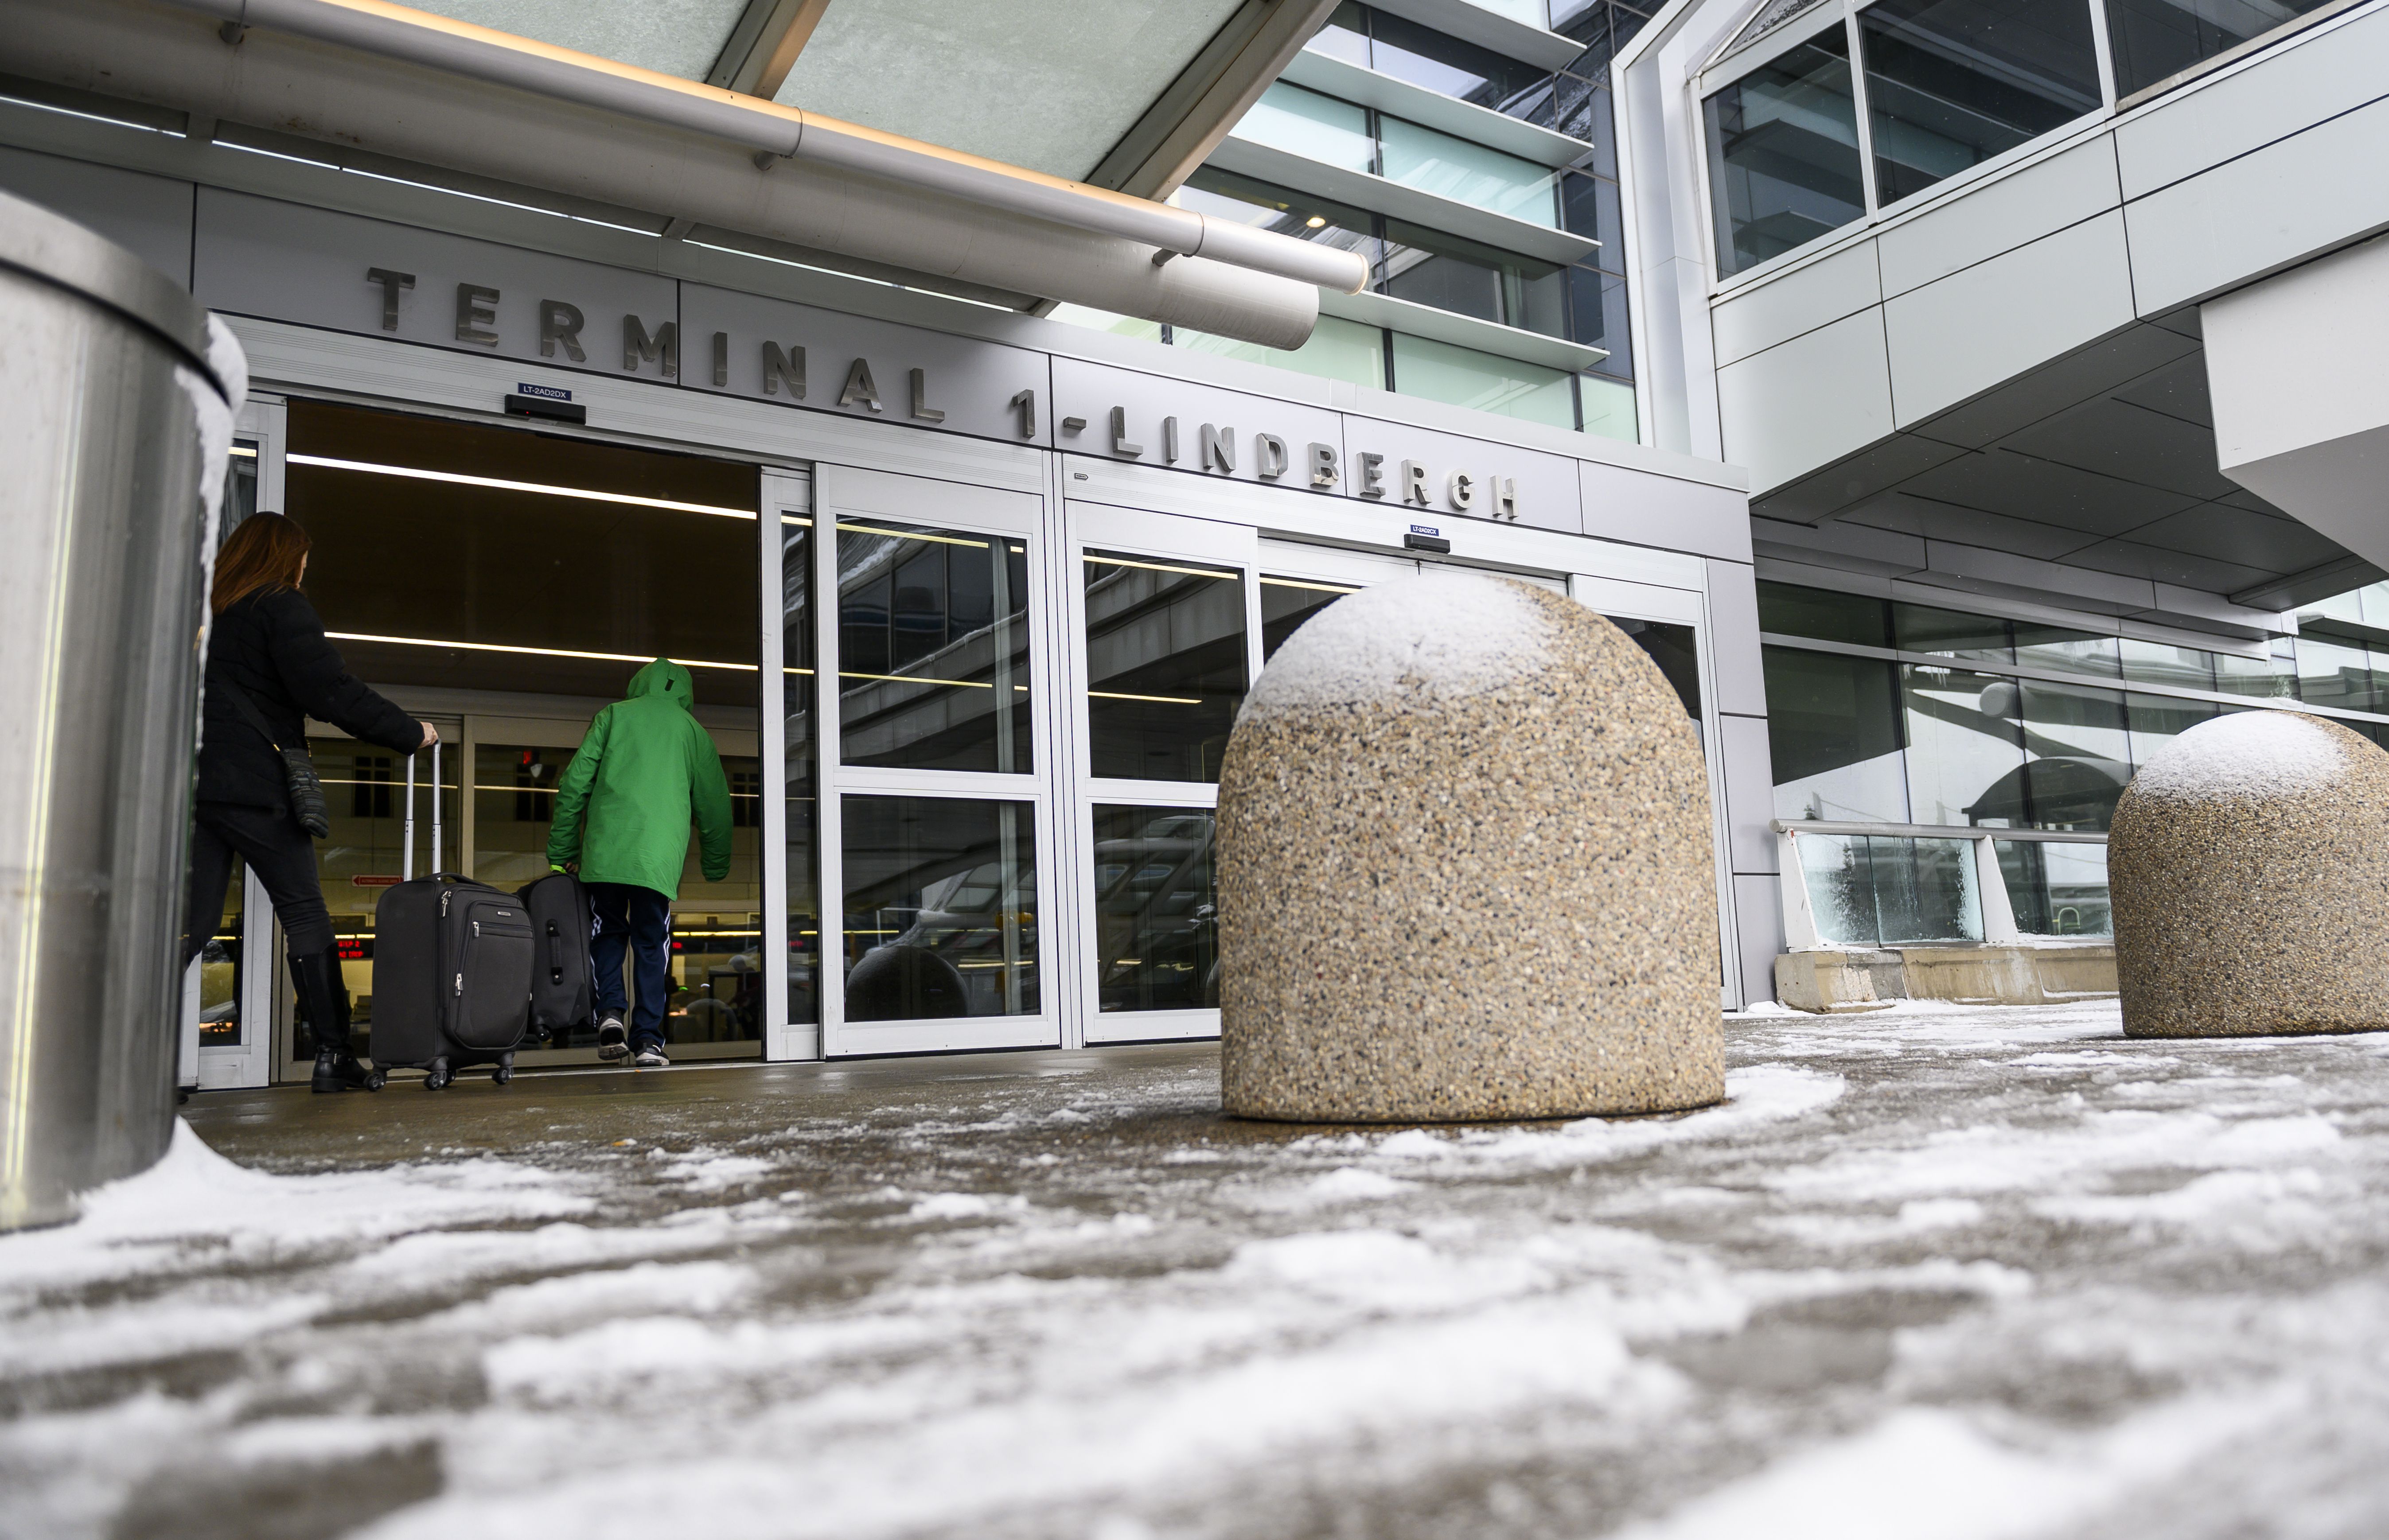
x=563, y=984
x=452, y=966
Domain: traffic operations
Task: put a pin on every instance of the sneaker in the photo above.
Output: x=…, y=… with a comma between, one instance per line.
x=612, y=1041
x=651, y=1057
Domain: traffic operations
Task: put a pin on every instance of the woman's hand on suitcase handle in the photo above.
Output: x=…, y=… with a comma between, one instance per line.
x=430, y=735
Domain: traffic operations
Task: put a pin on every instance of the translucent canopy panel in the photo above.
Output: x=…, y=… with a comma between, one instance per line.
x=674, y=37
x=1030, y=84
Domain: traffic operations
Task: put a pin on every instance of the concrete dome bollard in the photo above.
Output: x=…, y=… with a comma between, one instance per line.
x=2248, y=866
x=1465, y=869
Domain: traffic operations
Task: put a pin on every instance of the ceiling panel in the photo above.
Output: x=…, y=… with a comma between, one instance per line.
x=2130, y=559
x=2021, y=486
x=1922, y=517
x=2129, y=442
x=1027, y=82
x=2222, y=532
x=2179, y=391
x=675, y=37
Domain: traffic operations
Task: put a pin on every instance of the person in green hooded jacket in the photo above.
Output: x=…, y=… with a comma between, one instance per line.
x=644, y=769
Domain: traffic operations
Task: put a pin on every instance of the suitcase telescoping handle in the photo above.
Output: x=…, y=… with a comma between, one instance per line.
x=406, y=852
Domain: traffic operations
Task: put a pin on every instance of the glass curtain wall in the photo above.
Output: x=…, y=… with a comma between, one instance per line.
x=1957, y=730
x=1783, y=154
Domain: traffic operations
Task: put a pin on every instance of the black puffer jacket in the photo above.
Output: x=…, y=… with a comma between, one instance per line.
x=272, y=646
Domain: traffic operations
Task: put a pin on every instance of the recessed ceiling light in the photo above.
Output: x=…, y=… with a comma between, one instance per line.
x=1316, y=220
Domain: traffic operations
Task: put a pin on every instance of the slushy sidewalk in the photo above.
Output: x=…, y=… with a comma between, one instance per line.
x=1934, y=1272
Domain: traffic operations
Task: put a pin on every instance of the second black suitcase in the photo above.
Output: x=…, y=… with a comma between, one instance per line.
x=563, y=986
x=451, y=968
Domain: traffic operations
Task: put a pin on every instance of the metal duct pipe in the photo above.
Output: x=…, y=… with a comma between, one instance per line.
x=166, y=55
x=116, y=412
x=503, y=58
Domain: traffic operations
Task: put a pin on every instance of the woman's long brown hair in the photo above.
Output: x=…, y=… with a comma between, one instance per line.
x=263, y=556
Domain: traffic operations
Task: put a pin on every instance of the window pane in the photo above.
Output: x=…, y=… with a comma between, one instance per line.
x=1832, y=733
x=932, y=648
x=1789, y=610
x=2056, y=889
x=2082, y=757
x=1950, y=83
x=1672, y=646
x=2157, y=663
x=1607, y=406
x=1345, y=36
x=1838, y=872
x=1281, y=211
x=1156, y=920
x=1426, y=267
x=1951, y=634
x=1462, y=377
x=2154, y=39
x=1337, y=349
x=2158, y=720
x=1926, y=890
x=1306, y=124
x=2254, y=675
x=802, y=792
x=940, y=908
x=2067, y=652
x=2334, y=673
x=1784, y=153
x=220, y=970
x=1962, y=761
x=1438, y=164
x=1444, y=64
x=1286, y=602
x=1166, y=665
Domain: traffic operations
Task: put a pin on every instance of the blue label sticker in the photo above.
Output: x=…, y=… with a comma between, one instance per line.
x=545, y=392
x=1425, y=529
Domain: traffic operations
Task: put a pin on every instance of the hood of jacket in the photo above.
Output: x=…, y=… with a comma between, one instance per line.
x=663, y=677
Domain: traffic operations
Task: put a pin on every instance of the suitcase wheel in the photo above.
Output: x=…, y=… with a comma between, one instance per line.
x=505, y=1070
x=377, y=1080
x=439, y=1077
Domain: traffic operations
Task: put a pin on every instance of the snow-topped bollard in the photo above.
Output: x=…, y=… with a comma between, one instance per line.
x=2249, y=870
x=1465, y=869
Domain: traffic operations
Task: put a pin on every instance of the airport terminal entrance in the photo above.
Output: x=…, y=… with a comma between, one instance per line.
x=504, y=585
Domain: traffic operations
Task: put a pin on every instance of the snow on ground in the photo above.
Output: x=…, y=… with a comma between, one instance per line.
x=1931, y=1273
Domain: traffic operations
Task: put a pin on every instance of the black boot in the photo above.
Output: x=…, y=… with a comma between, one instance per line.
x=326, y=999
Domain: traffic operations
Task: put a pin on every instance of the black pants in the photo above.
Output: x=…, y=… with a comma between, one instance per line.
x=270, y=840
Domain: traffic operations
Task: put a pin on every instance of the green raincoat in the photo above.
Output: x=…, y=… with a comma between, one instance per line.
x=643, y=769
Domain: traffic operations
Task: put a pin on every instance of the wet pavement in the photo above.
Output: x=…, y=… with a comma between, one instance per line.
x=1930, y=1272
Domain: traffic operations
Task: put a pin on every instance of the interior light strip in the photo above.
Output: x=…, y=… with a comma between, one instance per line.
x=1315, y=588
x=795, y=519
x=909, y=535
x=1158, y=567
x=244, y=451
x=457, y=479
x=534, y=651
x=1163, y=700
x=919, y=679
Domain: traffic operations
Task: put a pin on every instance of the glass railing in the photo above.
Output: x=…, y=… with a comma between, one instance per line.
x=1888, y=885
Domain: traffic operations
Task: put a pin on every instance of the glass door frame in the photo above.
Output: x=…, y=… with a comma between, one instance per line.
x=919, y=501
x=1208, y=543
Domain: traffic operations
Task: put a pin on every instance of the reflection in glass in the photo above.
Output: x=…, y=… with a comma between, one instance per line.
x=2067, y=652
x=1462, y=377
x=1673, y=648
x=1960, y=758
x=932, y=648
x=2081, y=758
x=1952, y=83
x=1449, y=272
x=1833, y=733
x=2154, y=39
x=1468, y=173
x=2056, y=889
x=2235, y=675
x=1286, y=602
x=1156, y=920
x=1166, y=665
x=220, y=972
x=1867, y=890
x=1784, y=153
x=2334, y=673
x=2157, y=663
x=800, y=765
x=940, y=908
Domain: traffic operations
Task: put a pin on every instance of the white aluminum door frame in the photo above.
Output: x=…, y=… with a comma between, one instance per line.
x=1161, y=536
x=844, y=493
x=787, y=497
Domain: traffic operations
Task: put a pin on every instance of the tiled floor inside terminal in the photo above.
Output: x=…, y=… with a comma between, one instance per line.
x=1930, y=1272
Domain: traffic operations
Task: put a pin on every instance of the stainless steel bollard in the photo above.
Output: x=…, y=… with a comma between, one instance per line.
x=114, y=423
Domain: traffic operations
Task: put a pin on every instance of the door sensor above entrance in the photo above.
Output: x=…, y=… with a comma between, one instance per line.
x=546, y=401
x=1420, y=536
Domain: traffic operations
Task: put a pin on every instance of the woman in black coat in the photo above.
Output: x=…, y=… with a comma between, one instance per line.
x=268, y=645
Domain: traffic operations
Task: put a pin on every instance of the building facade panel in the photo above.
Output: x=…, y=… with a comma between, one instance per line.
x=1808, y=401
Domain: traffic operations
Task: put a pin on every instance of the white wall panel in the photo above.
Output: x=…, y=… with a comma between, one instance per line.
x=1758, y=915
x=1749, y=792
x=2000, y=215
x=2285, y=202
x=1965, y=333
x=2300, y=83
x=1807, y=403
x=1642, y=509
x=1799, y=301
x=1733, y=638
x=150, y=216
